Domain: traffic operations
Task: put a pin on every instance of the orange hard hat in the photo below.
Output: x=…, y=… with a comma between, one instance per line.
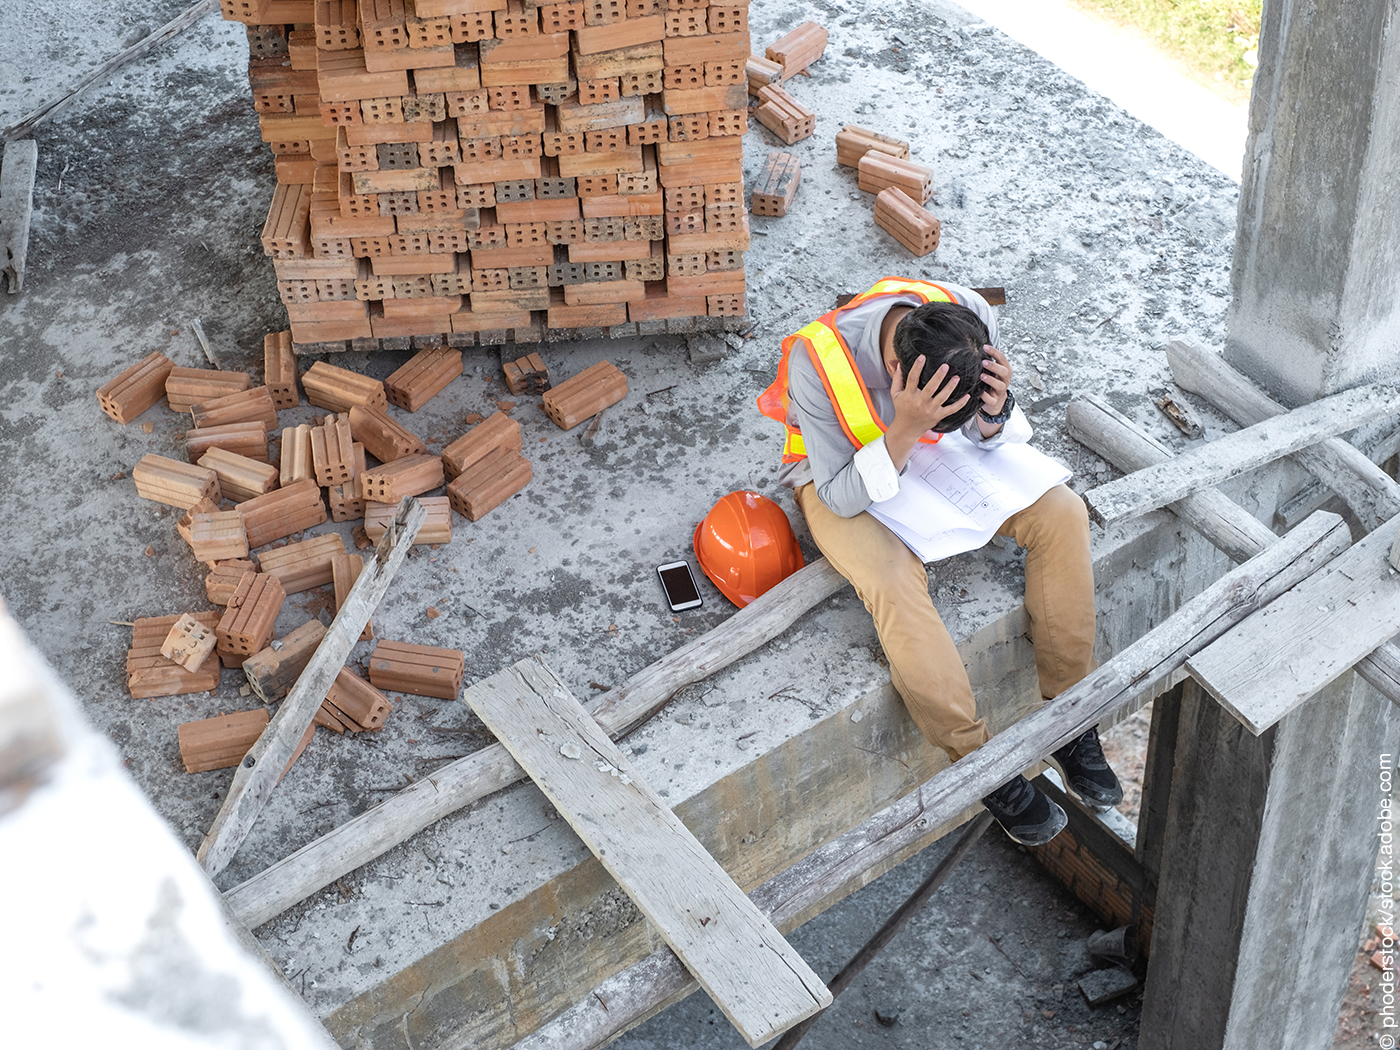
x=746, y=546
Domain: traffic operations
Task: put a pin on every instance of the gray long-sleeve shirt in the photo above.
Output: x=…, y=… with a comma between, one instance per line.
x=830, y=458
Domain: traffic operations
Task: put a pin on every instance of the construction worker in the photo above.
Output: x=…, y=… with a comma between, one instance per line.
x=858, y=390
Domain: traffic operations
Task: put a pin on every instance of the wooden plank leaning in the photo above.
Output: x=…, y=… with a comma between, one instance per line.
x=257, y=775
x=460, y=783
x=821, y=878
x=754, y=976
x=1369, y=491
x=1208, y=465
x=1285, y=654
x=1225, y=523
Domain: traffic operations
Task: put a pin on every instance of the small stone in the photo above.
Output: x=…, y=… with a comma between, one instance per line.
x=886, y=1018
x=705, y=349
x=507, y=848
x=432, y=613
x=505, y=406
x=571, y=750
x=245, y=690
x=856, y=716
x=150, y=552
x=473, y=418
x=146, y=428
x=1100, y=986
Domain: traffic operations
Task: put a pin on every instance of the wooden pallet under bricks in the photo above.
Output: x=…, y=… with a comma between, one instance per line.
x=246, y=625
x=245, y=439
x=417, y=155
x=423, y=670
x=904, y=220
x=425, y=375
x=305, y=564
x=383, y=438
x=151, y=674
x=776, y=185
x=585, y=395
x=784, y=116
x=437, y=527
x=133, y=390
x=174, y=483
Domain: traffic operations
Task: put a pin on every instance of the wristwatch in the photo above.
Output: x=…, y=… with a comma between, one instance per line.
x=1003, y=415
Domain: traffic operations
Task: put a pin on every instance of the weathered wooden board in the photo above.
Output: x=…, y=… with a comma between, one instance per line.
x=261, y=768
x=1369, y=491
x=1233, y=454
x=1275, y=660
x=461, y=782
x=763, y=986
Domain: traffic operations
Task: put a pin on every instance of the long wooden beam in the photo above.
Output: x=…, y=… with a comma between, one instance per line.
x=178, y=24
x=1208, y=465
x=802, y=891
x=753, y=975
x=460, y=783
x=1232, y=529
x=1369, y=491
x=262, y=767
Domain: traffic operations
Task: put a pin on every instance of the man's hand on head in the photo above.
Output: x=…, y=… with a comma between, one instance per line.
x=919, y=409
x=996, y=379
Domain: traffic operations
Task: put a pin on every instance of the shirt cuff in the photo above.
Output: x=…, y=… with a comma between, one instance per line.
x=876, y=469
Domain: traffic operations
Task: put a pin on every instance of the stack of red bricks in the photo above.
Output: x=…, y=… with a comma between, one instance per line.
x=492, y=171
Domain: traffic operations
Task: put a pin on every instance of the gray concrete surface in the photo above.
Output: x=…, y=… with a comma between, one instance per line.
x=1317, y=277
x=149, y=199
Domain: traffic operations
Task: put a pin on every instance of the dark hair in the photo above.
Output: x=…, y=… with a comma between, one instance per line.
x=945, y=333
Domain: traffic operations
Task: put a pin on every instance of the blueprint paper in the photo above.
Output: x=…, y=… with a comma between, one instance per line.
x=954, y=495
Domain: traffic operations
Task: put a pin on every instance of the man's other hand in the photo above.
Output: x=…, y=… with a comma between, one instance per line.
x=918, y=409
x=996, y=377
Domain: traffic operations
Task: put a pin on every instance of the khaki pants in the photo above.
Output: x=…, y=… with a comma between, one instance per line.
x=924, y=664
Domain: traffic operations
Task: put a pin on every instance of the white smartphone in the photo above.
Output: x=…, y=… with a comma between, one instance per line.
x=679, y=585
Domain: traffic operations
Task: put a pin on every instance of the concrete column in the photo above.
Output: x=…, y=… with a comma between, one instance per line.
x=1316, y=280
x=1269, y=851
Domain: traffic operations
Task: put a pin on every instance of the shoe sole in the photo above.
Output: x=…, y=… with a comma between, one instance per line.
x=1060, y=826
x=1097, y=805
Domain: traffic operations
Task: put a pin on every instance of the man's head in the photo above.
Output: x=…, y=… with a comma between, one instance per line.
x=944, y=333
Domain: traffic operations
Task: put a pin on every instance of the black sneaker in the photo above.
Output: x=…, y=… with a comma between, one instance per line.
x=1087, y=773
x=1025, y=813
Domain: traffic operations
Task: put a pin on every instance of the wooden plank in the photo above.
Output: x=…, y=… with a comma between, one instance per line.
x=1282, y=655
x=738, y=957
x=1209, y=465
x=462, y=782
x=802, y=891
x=17, y=169
x=1226, y=524
x=259, y=771
x=1369, y=491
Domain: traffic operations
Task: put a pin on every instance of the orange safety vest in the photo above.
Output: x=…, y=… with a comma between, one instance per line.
x=837, y=367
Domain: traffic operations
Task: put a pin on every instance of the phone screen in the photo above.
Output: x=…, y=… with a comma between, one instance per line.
x=679, y=584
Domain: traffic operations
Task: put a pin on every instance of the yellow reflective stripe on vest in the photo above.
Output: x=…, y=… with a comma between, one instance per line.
x=928, y=291
x=846, y=387
x=794, y=446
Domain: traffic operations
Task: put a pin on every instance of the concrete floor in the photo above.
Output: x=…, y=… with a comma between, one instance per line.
x=150, y=195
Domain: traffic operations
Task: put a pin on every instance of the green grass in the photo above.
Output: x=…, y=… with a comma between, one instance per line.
x=1209, y=39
